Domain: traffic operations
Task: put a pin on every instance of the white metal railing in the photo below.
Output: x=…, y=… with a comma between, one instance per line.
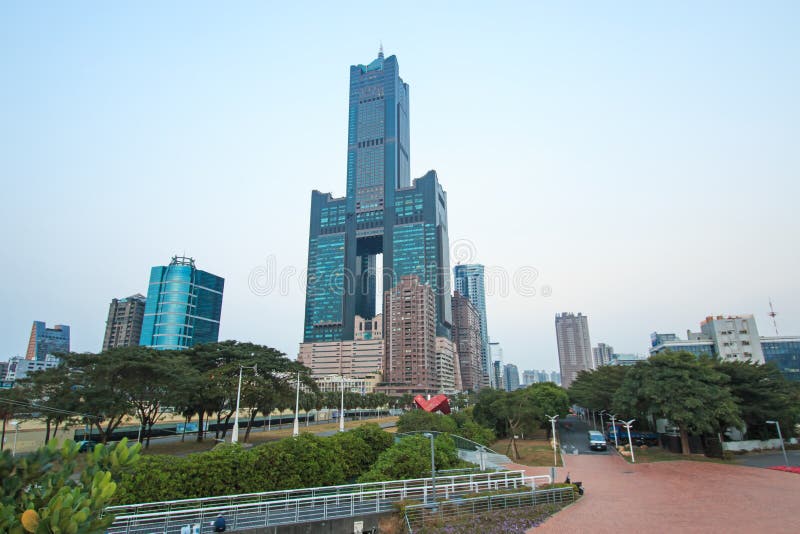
x=282, y=511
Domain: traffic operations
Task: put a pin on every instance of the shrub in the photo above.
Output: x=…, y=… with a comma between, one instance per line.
x=411, y=458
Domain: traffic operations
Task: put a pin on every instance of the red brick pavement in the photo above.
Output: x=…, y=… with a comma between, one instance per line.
x=674, y=497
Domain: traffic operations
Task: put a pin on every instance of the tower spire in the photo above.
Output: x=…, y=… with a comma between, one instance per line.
x=772, y=314
x=380, y=51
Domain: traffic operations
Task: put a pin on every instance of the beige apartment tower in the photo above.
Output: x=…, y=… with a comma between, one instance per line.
x=574, y=347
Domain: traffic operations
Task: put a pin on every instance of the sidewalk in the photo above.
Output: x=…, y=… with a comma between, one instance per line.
x=669, y=497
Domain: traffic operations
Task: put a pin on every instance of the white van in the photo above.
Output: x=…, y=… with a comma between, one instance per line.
x=596, y=441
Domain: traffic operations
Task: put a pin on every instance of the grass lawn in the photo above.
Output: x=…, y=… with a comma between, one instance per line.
x=657, y=454
x=534, y=452
x=257, y=437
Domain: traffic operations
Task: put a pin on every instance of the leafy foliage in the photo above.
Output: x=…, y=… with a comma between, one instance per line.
x=41, y=494
x=761, y=393
x=411, y=458
x=690, y=392
x=595, y=389
x=304, y=461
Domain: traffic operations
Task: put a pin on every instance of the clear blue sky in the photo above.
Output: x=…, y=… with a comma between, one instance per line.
x=645, y=159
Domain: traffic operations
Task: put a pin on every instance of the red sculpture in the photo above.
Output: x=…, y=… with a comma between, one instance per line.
x=438, y=403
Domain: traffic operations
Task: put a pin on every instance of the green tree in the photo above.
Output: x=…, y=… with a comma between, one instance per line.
x=761, y=393
x=595, y=389
x=527, y=409
x=40, y=492
x=51, y=394
x=688, y=391
x=417, y=420
x=411, y=458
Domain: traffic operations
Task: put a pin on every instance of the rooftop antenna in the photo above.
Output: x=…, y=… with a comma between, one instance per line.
x=773, y=314
x=380, y=51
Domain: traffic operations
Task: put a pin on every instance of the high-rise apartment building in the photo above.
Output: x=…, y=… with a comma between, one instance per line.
x=555, y=377
x=44, y=341
x=183, y=307
x=574, y=347
x=498, y=377
x=469, y=281
x=511, y=376
x=528, y=377
x=410, y=339
x=124, y=323
x=467, y=337
x=602, y=354
x=447, y=373
x=382, y=213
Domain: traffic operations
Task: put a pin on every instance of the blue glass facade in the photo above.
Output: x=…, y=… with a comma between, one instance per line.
x=382, y=213
x=785, y=353
x=183, y=307
x=469, y=281
x=44, y=341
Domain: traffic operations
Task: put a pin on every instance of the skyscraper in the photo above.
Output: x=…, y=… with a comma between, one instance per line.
x=44, y=341
x=511, y=376
x=602, y=354
x=469, y=282
x=574, y=347
x=124, y=323
x=467, y=336
x=382, y=213
x=183, y=307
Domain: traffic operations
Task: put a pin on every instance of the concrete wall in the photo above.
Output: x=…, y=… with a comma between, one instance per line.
x=752, y=445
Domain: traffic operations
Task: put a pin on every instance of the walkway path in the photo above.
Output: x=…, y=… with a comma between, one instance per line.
x=670, y=497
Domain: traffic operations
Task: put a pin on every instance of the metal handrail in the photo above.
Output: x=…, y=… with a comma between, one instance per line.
x=308, y=509
x=265, y=496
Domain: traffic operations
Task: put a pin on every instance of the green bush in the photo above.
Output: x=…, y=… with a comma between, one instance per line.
x=304, y=461
x=411, y=458
x=361, y=447
x=459, y=423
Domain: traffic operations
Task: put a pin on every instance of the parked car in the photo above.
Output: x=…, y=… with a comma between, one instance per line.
x=596, y=441
x=86, y=446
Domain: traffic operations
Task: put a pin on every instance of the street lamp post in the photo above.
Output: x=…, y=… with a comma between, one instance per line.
x=15, y=424
x=235, y=432
x=552, y=420
x=630, y=443
x=613, y=418
x=296, y=431
x=341, y=410
x=780, y=437
x=602, y=425
x=433, y=464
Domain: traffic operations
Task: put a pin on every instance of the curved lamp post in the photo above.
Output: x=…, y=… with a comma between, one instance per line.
x=627, y=425
x=433, y=464
x=235, y=432
x=296, y=430
x=780, y=437
x=552, y=420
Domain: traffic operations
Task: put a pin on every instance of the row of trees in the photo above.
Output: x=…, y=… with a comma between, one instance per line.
x=511, y=414
x=697, y=395
x=142, y=382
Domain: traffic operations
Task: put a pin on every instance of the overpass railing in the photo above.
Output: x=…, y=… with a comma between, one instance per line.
x=318, y=504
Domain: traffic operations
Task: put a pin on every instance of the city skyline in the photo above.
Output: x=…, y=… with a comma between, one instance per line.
x=681, y=119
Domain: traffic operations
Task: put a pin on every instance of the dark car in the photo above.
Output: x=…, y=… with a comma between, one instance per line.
x=86, y=446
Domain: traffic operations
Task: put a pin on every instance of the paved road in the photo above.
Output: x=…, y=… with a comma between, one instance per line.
x=768, y=459
x=668, y=497
x=573, y=435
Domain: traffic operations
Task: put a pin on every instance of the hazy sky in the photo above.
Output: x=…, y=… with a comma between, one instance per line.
x=644, y=159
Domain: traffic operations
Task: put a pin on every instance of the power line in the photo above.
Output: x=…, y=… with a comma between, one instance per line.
x=27, y=404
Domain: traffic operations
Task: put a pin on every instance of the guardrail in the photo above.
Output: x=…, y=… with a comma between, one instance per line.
x=418, y=516
x=273, y=509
